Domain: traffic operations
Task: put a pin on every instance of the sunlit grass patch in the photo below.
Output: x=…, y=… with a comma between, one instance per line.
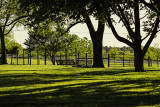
x=52, y=85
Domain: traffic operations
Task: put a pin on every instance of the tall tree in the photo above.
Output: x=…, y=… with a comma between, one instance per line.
x=72, y=12
x=10, y=15
x=129, y=14
x=48, y=37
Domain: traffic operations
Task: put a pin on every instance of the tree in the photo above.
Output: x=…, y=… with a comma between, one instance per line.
x=151, y=53
x=106, y=48
x=85, y=46
x=48, y=37
x=156, y=48
x=74, y=12
x=129, y=13
x=11, y=45
x=10, y=15
x=113, y=52
x=13, y=48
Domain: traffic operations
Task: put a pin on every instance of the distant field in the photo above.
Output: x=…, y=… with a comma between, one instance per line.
x=66, y=86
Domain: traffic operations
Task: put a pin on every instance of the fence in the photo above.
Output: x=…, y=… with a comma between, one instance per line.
x=125, y=60
x=119, y=61
x=76, y=60
x=28, y=59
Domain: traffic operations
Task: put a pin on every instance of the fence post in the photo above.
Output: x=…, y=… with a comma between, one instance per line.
x=123, y=60
x=53, y=58
x=86, y=60
x=108, y=60
x=148, y=62
x=45, y=57
x=11, y=58
x=17, y=57
x=157, y=62
x=78, y=57
x=75, y=56
x=37, y=58
x=23, y=56
x=60, y=59
x=66, y=56
x=30, y=57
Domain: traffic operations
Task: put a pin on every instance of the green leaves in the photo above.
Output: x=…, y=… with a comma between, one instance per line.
x=113, y=52
x=50, y=37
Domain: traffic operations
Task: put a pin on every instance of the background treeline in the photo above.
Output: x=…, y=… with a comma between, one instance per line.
x=83, y=46
x=152, y=53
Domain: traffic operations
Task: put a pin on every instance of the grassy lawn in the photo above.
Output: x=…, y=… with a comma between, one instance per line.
x=66, y=86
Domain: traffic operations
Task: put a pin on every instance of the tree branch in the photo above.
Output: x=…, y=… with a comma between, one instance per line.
x=11, y=28
x=126, y=22
x=90, y=25
x=73, y=24
x=16, y=20
x=151, y=6
x=151, y=37
x=121, y=39
x=147, y=35
x=6, y=21
x=143, y=17
x=149, y=32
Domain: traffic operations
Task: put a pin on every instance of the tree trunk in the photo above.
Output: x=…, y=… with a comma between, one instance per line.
x=53, y=59
x=138, y=60
x=3, y=48
x=97, y=53
x=97, y=37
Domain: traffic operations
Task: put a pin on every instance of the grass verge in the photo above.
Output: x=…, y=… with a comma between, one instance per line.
x=65, y=86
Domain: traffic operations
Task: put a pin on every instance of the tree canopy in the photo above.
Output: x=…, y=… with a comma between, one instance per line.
x=72, y=12
x=152, y=4
x=129, y=14
x=10, y=15
x=50, y=37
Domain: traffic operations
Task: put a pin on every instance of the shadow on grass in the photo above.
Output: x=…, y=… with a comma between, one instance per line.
x=31, y=79
x=17, y=70
x=86, y=94
x=153, y=70
x=98, y=73
x=83, y=94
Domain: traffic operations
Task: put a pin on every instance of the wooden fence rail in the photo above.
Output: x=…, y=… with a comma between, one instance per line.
x=122, y=60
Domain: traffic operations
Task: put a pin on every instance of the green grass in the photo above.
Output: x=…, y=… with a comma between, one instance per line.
x=66, y=86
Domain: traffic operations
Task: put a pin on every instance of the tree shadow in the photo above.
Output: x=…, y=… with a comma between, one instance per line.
x=17, y=70
x=113, y=72
x=152, y=70
x=78, y=90
x=82, y=95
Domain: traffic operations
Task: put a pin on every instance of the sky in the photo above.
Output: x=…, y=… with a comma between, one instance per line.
x=82, y=31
